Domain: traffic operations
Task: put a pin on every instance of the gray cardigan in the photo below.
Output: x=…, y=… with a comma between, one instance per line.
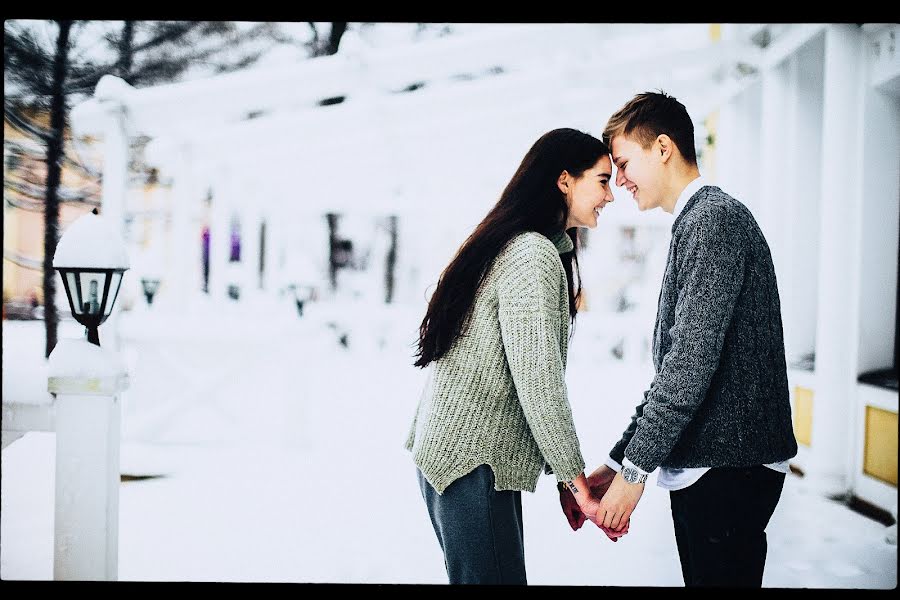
x=720, y=394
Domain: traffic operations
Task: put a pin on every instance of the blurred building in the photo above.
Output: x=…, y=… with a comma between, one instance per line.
x=24, y=178
x=811, y=142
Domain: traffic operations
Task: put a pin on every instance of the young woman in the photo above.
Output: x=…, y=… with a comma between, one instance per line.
x=494, y=412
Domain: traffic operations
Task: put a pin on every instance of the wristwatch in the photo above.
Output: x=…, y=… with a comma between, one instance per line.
x=632, y=475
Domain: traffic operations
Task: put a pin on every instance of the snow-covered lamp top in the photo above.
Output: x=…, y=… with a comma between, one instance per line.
x=111, y=87
x=91, y=242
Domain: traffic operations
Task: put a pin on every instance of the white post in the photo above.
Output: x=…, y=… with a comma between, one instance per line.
x=185, y=242
x=87, y=381
x=840, y=207
x=250, y=221
x=265, y=251
x=113, y=189
x=229, y=272
x=219, y=232
x=115, y=165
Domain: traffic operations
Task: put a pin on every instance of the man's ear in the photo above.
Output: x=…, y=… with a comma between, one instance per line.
x=665, y=146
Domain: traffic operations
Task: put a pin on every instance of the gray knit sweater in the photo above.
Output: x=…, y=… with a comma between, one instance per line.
x=498, y=396
x=720, y=395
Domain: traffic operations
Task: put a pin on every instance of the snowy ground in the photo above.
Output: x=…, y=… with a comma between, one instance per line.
x=278, y=455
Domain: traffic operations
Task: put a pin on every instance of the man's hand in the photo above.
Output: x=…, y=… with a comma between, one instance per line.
x=615, y=535
x=618, y=503
x=570, y=508
x=599, y=482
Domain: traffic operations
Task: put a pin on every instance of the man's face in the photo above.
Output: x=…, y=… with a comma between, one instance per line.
x=638, y=170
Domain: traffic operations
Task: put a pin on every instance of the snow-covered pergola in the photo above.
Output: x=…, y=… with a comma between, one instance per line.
x=411, y=132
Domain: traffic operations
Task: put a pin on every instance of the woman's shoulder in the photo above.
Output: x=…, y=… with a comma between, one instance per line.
x=532, y=244
x=528, y=252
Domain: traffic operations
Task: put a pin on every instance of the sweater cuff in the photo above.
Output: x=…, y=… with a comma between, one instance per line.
x=628, y=463
x=612, y=464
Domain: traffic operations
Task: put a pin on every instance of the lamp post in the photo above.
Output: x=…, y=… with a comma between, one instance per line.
x=91, y=260
x=87, y=382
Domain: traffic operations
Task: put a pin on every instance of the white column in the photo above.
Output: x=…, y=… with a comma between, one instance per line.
x=772, y=174
x=115, y=165
x=250, y=221
x=799, y=209
x=113, y=188
x=87, y=381
x=840, y=207
x=266, y=251
x=737, y=148
x=230, y=271
x=219, y=234
x=184, y=241
x=276, y=222
x=238, y=272
x=878, y=262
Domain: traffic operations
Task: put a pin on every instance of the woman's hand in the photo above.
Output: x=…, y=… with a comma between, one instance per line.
x=570, y=508
x=600, y=480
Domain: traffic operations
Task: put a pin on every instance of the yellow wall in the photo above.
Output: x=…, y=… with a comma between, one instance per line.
x=23, y=230
x=880, y=452
x=803, y=415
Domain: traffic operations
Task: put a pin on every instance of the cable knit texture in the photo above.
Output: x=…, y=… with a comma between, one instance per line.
x=498, y=396
x=720, y=395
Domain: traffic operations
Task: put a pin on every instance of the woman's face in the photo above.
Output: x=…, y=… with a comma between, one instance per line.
x=588, y=194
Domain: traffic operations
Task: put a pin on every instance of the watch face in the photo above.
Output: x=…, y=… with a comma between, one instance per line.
x=632, y=476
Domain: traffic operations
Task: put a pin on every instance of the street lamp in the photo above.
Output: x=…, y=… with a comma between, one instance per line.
x=91, y=260
x=150, y=286
x=301, y=294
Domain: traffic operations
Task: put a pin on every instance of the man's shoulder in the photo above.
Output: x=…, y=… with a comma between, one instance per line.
x=714, y=210
x=711, y=200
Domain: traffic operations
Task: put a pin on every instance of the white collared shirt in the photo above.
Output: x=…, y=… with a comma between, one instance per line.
x=689, y=190
x=678, y=479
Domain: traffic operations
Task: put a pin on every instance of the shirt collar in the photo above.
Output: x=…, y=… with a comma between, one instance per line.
x=686, y=194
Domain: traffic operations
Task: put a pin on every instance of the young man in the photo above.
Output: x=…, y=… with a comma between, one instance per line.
x=717, y=416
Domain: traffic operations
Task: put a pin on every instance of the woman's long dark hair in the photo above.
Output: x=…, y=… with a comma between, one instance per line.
x=531, y=201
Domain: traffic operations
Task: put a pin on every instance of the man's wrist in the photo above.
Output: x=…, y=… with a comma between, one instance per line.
x=612, y=464
x=627, y=463
x=633, y=476
x=632, y=473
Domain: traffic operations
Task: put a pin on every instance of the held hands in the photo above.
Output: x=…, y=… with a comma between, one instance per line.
x=618, y=503
x=582, y=506
x=599, y=482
